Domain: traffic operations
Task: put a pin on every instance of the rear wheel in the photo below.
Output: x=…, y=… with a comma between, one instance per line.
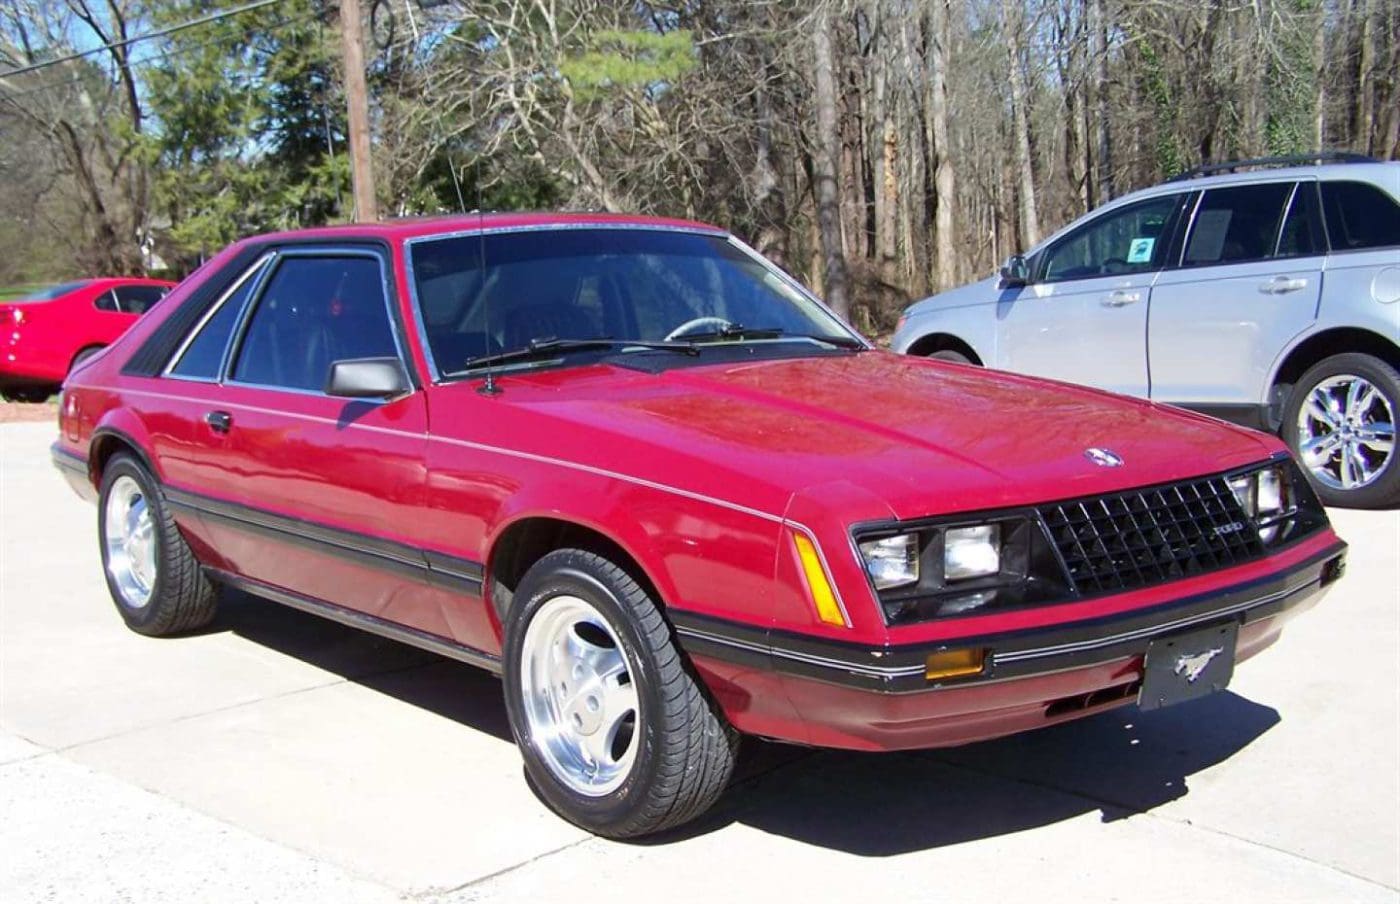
x=948, y=354
x=153, y=577
x=82, y=356
x=1340, y=421
x=617, y=735
x=29, y=395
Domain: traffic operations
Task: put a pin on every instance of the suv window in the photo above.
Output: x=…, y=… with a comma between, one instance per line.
x=138, y=299
x=204, y=355
x=1129, y=240
x=1360, y=216
x=1299, y=237
x=1238, y=224
x=315, y=310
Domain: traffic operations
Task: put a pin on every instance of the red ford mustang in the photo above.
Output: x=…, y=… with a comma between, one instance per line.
x=47, y=334
x=650, y=480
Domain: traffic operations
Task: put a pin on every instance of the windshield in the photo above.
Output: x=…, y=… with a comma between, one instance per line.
x=621, y=284
x=49, y=293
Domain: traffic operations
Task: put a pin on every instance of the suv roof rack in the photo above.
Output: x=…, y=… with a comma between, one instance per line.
x=1210, y=169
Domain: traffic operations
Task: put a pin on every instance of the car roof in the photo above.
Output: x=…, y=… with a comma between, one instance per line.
x=1384, y=174
x=417, y=227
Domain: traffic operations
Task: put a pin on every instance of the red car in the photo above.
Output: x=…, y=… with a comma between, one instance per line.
x=47, y=334
x=668, y=496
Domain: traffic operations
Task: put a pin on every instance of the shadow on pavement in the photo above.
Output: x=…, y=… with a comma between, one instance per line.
x=1119, y=763
x=451, y=689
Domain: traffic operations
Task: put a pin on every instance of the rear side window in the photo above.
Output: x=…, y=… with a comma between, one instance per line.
x=1237, y=225
x=1299, y=237
x=1360, y=216
x=138, y=299
x=106, y=302
x=204, y=355
x=315, y=310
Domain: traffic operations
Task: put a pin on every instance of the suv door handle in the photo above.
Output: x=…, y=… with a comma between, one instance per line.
x=1282, y=285
x=1120, y=297
x=219, y=421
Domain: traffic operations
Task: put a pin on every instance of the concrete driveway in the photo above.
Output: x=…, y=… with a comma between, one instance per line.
x=278, y=757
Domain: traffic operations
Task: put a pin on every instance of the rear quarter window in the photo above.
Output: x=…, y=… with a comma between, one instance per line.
x=1360, y=216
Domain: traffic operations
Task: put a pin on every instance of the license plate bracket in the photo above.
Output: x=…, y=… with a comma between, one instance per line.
x=1188, y=666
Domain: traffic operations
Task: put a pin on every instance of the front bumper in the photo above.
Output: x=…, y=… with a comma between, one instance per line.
x=820, y=692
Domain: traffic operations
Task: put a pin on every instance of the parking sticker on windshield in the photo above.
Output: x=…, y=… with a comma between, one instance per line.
x=1140, y=251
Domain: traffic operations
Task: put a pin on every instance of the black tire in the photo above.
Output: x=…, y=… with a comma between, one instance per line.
x=948, y=354
x=30, y=395
x=685, y=749
x=181, y=598
x=82, y=356
x=1383, y=490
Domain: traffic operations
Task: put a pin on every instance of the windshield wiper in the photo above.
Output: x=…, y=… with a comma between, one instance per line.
x=741, y=332
x=543, y=348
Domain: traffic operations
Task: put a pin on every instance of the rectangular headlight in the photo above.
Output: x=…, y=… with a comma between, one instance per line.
x=892, y=561
x=971, y=552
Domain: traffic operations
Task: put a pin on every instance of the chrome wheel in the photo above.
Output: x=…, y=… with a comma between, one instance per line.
x=130, y=542
x=579, y=697
x=1346, y=432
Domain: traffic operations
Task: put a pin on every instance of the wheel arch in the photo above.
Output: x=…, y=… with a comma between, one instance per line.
x=1311, y=349
x=929, y=343
x=86, y=347
x=529, y=537
x=107, y=440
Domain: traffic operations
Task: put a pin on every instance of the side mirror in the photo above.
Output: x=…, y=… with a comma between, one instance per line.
x=1014, y=273
x=367, y=378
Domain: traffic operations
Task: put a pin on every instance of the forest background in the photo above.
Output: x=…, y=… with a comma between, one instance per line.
x=880, y=150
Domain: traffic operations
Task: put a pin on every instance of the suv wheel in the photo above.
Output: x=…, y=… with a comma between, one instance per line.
x=154, y=579
x=1340, y=421
x=617, y=735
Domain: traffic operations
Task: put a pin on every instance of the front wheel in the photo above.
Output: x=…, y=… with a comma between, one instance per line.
x=1340, y=421
x=617, y=735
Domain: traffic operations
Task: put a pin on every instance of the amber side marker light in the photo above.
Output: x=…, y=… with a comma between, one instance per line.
x=828, y=610
x=954, y=663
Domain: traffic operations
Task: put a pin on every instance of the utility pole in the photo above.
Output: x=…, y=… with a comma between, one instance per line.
x=357, y=98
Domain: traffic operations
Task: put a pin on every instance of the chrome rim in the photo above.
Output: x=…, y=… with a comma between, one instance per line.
x=580, y=700
x=1346, y=432
x=130, y=539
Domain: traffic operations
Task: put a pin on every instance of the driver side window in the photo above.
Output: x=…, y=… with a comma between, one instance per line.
x=1130, y=240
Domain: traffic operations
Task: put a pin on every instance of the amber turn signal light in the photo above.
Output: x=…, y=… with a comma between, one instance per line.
x=823, y=596
x=954, y=663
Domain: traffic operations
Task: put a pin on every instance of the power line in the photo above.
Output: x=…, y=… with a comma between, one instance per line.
x=146, y=60
x=158, y=33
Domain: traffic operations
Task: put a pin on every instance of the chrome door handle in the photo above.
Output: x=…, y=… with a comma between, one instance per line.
x=1120, y=297
x=1282, y=285
x=219, y=421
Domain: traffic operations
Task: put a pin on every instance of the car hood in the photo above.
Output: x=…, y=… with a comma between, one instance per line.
x=984, y=291
x=921, y=436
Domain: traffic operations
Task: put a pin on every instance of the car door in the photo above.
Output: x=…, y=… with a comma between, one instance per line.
x=1083, y=317
x=1249, y=280
x=320, y=495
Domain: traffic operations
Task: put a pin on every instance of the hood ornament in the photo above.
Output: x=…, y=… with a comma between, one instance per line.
x=1104, y=458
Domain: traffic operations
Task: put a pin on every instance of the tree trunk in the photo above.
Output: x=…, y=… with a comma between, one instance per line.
x=828, y=152
x=945, y=274
x=1020, y=122
x=1098, y=49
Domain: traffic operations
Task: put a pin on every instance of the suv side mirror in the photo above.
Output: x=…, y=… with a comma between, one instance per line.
x=366, y=378
x=1014, y=273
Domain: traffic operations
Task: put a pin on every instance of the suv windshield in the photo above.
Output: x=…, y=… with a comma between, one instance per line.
x=627, y=285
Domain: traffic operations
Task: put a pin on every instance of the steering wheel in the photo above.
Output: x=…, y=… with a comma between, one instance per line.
x=690, y=326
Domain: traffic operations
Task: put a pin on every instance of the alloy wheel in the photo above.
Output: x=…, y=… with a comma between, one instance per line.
x=130, y=542
x=1346, y=432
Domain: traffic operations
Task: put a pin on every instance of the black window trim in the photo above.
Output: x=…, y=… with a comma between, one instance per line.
x=1322, y=214
x=1181, y=263
x=256, y=271
x=283, y=253
x=1042, y=257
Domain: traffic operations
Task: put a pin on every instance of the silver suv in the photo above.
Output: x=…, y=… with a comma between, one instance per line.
x=1256, y=291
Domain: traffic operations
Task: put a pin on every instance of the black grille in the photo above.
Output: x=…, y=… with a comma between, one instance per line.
x=1143, y=537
